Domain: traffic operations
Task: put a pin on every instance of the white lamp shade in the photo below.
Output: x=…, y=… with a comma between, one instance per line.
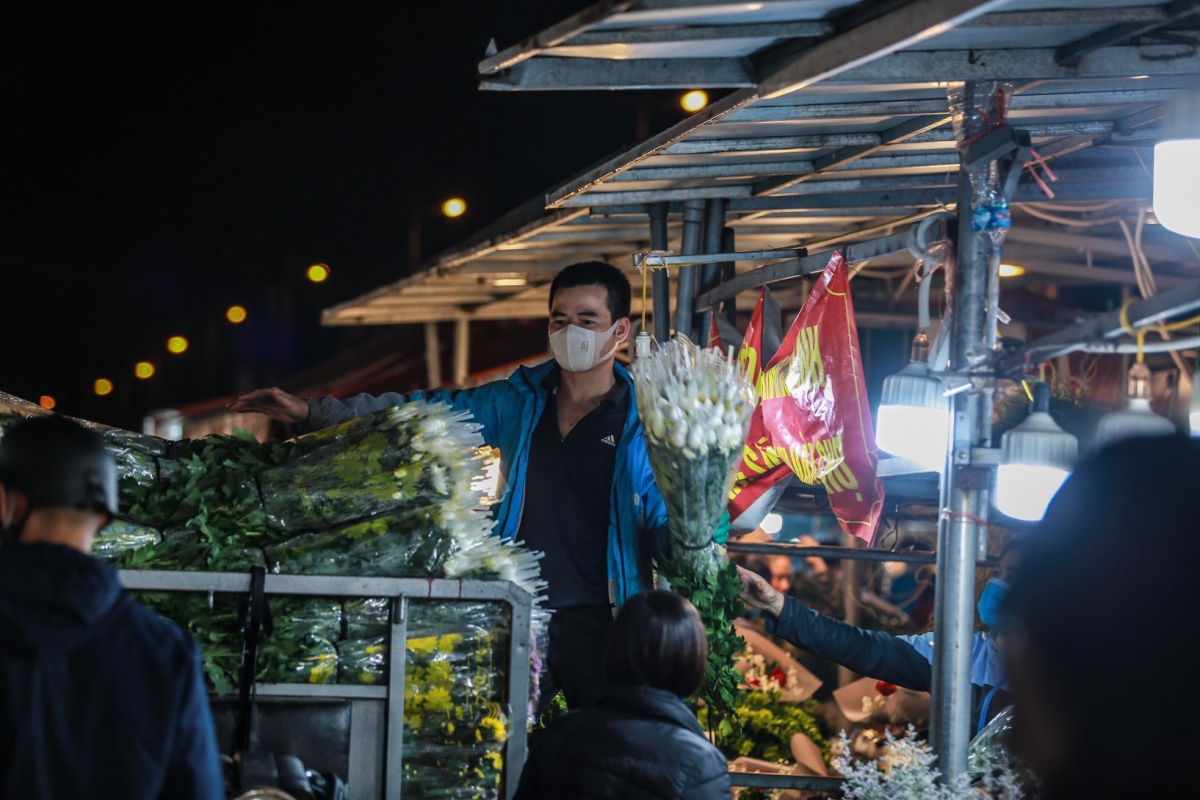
x=1194, y=419
x=1036, y=457
x=914, y=432
x=1024, y=491
x=1132, y=422
x=914, y=417
x=1176, y=178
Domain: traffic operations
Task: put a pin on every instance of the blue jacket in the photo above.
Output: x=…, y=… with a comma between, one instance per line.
x=509, y=411
x=99, y=697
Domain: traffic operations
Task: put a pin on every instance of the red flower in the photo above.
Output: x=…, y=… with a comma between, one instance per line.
x=884, y=688
x=752, y=683
x=778, y=675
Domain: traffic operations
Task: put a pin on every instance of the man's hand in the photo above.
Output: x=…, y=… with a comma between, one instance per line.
x=275, y=403
x=757, y=593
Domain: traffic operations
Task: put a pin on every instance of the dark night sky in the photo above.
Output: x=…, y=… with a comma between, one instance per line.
x=160, y=163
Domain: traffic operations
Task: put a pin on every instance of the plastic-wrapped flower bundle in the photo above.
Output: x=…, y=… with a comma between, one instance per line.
x=455, y=703
x=695, y=407
x=396, y=493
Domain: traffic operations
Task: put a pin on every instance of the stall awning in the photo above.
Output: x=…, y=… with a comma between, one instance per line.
x=838, y=129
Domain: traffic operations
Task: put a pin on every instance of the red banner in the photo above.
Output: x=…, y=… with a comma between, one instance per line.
x=761, y=475
x=813, y=417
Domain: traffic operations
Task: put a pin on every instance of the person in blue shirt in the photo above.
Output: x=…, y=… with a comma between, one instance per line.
x=905, y=661
x=580, y=487
x=99, y=697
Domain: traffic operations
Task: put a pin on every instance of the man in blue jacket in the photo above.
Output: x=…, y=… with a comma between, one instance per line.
x=580, y=487
x=99, y=697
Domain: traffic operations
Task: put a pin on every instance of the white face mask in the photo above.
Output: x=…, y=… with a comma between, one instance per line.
x=578, y=349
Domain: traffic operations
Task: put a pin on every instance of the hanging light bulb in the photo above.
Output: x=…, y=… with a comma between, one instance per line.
x=1137, y=418
x=1035, y=458
x=914, y=415
x=1177, y=165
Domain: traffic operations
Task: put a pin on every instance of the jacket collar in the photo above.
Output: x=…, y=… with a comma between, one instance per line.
x=647, y=701
x=539, y=379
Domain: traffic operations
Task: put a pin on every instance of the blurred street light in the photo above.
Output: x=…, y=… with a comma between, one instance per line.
x=144, y=370
x=318, y=272
x=236, y=314
x=177, y=344
x=454, y=207
x=102, y=387
x=694, y=100
x=46, y=401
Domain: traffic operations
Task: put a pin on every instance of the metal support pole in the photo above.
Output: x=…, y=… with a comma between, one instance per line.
x=714, y=230
x=462, y=350
x=395, y=721
x=729, y=272
x=850, y=580
x=710, y=274
x=685, y=299
x=950, y=728
x=661, y=280
x=433, y=356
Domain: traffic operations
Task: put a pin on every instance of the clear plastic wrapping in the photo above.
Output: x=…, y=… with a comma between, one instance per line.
x=404, y=457
x=411, y=543
x=122, y=536
x=695, y=407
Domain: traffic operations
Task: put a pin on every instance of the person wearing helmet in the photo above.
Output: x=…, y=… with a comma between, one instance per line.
x=99, y=697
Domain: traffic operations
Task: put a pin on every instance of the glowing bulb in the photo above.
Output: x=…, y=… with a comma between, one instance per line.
x=918, y=433
x=46, y=401
x=694, y=100
x=102, y=386
x=1176, y=175
x=177, y=344
x=772, y=523
x=318, y=272
x=454, y=207
x=236, y=314
x=144, y=369
x=1024, y=491
x=1011, y=270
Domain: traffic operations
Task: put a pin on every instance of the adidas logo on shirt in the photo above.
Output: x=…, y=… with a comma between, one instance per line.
x=609, y=440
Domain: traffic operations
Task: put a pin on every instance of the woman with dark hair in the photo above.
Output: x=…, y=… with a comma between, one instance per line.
x=639, y=740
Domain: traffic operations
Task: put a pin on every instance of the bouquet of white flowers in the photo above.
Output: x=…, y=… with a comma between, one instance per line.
x=695, y=407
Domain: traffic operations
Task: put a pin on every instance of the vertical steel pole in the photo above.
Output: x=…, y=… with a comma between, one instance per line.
x=462, y=351
x=729, y=272
x=661, y=280
x=518, y=687
x=397, y=651
x=960, y=496
x=714, y=239
x=710, y=274
x=433, y=356
x=693, y=231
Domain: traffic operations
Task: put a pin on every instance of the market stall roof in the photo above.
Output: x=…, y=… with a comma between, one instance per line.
x=839, y=128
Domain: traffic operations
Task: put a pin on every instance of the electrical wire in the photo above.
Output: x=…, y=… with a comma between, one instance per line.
x=1032, y=210
x=1171, y=346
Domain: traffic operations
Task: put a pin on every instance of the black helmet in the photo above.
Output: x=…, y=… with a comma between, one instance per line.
x=59, y=464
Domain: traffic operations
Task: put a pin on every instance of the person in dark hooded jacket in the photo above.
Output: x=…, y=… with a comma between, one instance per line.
x=640, y=742
x=99, y=697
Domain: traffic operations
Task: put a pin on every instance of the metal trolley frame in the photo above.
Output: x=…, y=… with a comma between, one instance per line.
x=376, y=736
